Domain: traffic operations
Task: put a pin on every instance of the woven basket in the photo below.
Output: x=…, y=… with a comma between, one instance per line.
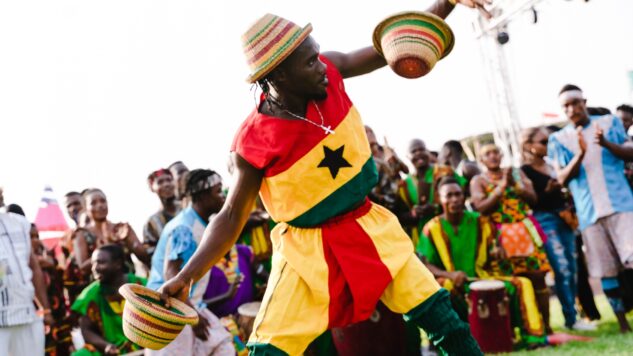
x=149, y=324
x=412, y=42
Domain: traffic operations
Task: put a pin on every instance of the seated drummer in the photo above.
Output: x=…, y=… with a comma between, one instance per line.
x=459, y=246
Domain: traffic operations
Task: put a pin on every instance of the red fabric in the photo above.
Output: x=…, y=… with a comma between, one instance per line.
x=357, y=277
x=274, y=144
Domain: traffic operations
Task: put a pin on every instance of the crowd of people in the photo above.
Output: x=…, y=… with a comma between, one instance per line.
x=360, y=237
x=467, y=220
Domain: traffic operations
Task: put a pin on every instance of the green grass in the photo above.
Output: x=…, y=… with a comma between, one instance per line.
x=607, y=338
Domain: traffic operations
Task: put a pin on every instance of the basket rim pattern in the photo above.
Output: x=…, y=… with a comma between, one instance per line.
x=133, y=292
x=433, y=22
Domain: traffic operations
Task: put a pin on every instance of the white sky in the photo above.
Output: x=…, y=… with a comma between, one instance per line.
x=100, y=93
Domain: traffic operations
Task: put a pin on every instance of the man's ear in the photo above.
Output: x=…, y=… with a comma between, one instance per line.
x=277, y=76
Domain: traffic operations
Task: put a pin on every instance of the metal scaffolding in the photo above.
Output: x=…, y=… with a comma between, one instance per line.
x=499, y=87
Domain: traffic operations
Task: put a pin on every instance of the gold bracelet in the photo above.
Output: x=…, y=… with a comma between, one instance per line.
x=452, y=2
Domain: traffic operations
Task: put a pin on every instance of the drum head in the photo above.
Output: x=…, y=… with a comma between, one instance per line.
x=487, y=285
x=249, y=309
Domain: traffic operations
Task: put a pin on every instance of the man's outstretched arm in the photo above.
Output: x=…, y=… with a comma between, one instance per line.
x=366, y=60
x=222, y=233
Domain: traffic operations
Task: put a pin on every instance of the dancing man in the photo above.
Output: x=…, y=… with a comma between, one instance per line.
x=335, y=254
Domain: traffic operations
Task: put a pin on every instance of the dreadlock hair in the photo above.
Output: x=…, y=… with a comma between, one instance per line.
x=197, y=183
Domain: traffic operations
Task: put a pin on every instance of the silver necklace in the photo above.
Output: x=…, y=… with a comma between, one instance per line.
x=327, y=129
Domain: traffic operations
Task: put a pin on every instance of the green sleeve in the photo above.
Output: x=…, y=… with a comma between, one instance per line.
x=87, y=296
x=426, y=248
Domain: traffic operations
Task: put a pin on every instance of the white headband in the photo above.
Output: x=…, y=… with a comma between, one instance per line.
x=571, y=94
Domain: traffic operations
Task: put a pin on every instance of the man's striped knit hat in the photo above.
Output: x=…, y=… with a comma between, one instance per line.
x=269, y=41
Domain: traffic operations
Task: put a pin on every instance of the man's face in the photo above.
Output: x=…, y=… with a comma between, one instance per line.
x=303, y=73
x=418, y=154
x=492, y=159
x=104, y=269
x=97, y=206
x=627, y=119
x=74, y=206
x=214, y=199
x=34, y=234
x=452, y=198
x=164, y=186
x=574, y=108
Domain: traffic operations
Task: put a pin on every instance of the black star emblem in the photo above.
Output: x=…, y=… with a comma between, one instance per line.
x=334, y=160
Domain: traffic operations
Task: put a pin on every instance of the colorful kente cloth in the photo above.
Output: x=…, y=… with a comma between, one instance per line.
x=468, y=251
x=105, y=310
x=329, y=238
x=520, y=235
x=411, y=190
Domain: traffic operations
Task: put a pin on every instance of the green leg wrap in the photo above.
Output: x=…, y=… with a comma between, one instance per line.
x=444, y=328
x=257, y=349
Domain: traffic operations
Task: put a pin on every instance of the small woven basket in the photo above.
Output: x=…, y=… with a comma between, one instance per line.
x=412, y=42
x=149, y=324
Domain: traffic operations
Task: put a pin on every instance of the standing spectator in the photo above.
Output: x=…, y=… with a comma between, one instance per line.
x=417, y=198
x=179, y=172
x=100, y=305
x=389, y=167
x=21, y=282
x=178, y=242
x=553, y=210
x=161, y=183
x=58, y=340
x=452, y=155
x=76, y=208
x=589, y=155
x=505, y=195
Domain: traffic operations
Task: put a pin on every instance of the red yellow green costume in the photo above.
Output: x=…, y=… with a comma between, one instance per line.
x=335, y=253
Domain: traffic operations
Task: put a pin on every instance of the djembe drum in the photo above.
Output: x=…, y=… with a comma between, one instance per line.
x=383, y=333
x=489, y=316
x=246, y=317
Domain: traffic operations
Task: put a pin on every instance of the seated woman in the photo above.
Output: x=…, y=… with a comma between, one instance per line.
x=459, y=246
x=100, y=305
x=504, y=196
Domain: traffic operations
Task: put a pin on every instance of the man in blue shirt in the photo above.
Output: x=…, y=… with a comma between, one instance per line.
x=589, y=155
x=178, y=241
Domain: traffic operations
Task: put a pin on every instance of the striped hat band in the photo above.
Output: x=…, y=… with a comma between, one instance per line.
x=269, y=41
